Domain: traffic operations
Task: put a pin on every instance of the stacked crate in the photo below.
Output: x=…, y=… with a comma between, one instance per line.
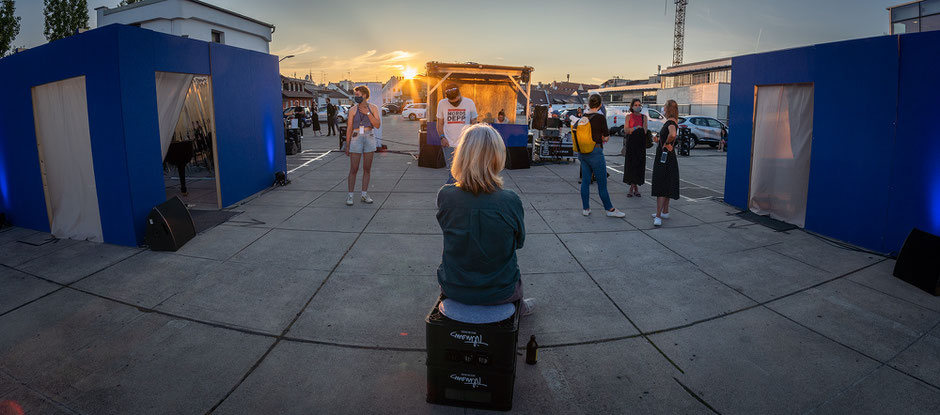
x=471, y=365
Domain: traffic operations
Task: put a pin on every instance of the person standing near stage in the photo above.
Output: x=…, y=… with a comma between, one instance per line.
x=454, y=114
x=360, y=141
x=330, y=118
x=666, y=165
x=634, y=166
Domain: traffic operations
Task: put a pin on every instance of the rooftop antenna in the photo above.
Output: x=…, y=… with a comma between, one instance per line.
x=679, y=40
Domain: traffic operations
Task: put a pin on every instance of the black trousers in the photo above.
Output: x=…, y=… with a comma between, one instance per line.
x=181, y=169
x=331, y=123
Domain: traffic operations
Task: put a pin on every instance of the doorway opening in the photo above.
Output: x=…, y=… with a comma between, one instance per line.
x=780, y=161
x=187, y=137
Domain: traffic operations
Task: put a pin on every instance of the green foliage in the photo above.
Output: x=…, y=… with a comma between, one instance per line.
x=64, y=18
x=9, y=26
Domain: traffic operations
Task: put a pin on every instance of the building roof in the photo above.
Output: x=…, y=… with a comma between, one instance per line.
x=635, y=87
x=296, y=94
x=143, y=3
x=723, y=63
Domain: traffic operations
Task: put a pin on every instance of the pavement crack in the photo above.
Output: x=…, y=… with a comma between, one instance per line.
x=695, y=396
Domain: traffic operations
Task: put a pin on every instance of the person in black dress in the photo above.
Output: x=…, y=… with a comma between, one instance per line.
x=330, y=118
x=634, y=163
x=315, y=120
x=666, y=174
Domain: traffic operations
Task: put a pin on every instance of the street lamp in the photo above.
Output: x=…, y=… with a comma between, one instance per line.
x=286, y=57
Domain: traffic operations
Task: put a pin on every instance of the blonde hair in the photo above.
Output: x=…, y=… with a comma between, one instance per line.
x=478, y=159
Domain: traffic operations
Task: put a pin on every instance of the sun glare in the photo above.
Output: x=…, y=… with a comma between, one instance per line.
x=410, y=73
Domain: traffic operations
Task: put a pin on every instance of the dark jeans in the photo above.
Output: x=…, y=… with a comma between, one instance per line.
x=331, y=126
x=594, y=163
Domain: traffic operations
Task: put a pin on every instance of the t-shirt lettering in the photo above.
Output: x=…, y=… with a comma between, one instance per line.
x=455, y=119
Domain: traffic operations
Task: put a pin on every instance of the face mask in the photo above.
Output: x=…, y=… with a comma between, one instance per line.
x=637, y=109
x=358, y=99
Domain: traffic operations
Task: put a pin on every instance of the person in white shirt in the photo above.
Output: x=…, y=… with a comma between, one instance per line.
x=454, y=113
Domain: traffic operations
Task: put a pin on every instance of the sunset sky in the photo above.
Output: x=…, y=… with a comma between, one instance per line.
x=591, y=40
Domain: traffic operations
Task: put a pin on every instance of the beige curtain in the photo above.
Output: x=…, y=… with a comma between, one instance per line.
x=783, y=137
x=171, y=95
x=60, y=111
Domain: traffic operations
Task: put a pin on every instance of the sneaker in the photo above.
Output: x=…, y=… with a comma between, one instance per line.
x=586, y=212
x=349, y=200
x=367, y=199
x=657, y=222
x=615, y=214
x=662, y=215
x=528, y=306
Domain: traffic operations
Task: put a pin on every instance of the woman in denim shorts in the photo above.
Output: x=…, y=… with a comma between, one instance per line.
x=360, y=142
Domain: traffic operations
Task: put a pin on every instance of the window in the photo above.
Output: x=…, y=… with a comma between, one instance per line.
x=654, y=114
x=930, y=23
x=700, y=78
x=713, y=123
x=907, y=26
x=928, y=7
x=218, y=37
x=910, y=11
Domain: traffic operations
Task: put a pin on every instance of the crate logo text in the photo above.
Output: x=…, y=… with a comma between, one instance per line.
x=474, y=339
x=473, y=381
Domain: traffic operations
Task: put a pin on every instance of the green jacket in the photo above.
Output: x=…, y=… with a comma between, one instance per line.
x=481, y=236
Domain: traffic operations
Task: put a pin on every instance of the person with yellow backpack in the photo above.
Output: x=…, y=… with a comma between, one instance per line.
x=589, y=135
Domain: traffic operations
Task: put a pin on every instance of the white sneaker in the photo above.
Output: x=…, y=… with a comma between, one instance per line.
x=662, y=215
x=528, y=306
x=657, y=222
x=349, y=200
x=586, y=212
x=615, y=214
x=367, y=199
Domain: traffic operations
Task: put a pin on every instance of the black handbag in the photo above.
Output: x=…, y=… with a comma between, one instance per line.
x=649, y=139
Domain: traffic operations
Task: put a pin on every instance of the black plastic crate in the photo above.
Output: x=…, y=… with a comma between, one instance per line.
x=470, y=388
x=479, y=346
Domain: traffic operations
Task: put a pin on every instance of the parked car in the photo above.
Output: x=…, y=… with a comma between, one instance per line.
x=300, y=113
x=342, y=112
x=414, y=112
x=391, y=108
x=617, y=117
x=703, y=130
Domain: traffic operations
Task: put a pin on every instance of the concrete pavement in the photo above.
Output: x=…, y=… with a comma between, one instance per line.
x=302, y=305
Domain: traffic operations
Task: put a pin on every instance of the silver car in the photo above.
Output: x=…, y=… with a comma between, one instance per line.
x=703, y=130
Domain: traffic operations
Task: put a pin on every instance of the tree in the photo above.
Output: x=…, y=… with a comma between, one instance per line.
x=64, y=18
x=9, y=26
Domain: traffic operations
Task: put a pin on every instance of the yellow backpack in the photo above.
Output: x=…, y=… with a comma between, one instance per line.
x=582, y=137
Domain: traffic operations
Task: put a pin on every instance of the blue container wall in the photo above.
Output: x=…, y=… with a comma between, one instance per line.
x=857, y=175
x=915, y=176
x=246, y=90
x=94, y=55
x=119, y=63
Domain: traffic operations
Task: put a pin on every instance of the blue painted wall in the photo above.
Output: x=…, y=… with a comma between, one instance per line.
x=870, y=96
x=119, y=64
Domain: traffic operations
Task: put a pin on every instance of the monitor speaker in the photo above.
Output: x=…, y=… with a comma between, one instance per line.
x=429, y=155
x=169, y=226
x=918, y=263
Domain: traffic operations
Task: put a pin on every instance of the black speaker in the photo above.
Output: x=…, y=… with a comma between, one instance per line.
x=517, y=158
x=169, y=226
x=918, y=263
x=429, y=155
x=539, y=117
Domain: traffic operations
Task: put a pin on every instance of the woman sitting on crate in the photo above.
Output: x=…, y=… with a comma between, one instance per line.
x=483, y=225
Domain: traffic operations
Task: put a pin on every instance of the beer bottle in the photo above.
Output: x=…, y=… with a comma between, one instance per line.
x=532, y=351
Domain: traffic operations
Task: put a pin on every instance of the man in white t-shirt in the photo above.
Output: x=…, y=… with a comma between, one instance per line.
x=454, y=113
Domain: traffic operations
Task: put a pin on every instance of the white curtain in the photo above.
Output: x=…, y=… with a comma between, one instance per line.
x=60, y=111
x=783, y=137
x=171, y=95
